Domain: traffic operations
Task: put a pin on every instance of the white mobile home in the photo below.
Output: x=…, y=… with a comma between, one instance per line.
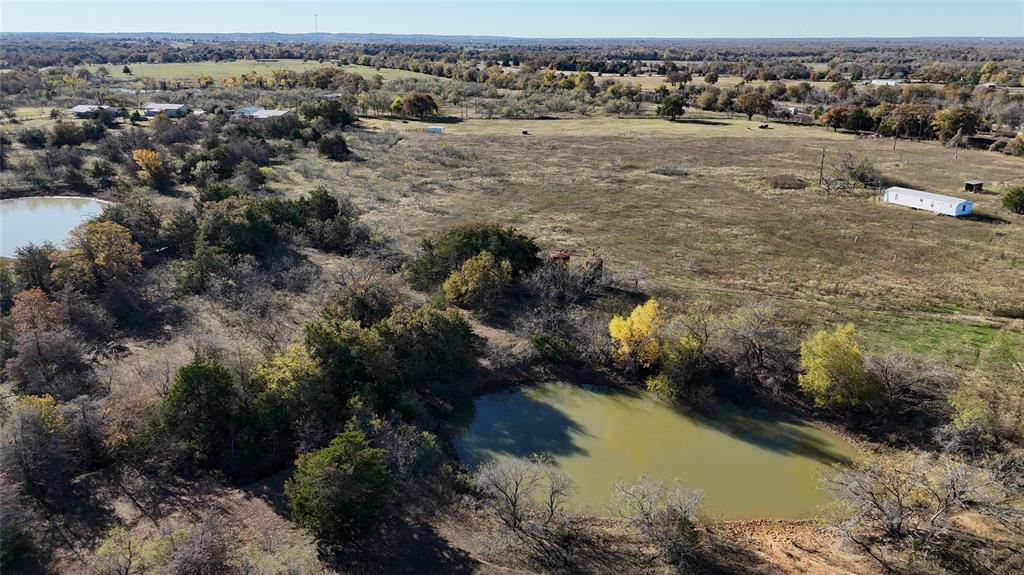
x=937, y=203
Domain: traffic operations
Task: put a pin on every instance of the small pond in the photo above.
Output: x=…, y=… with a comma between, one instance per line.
x=748, y=465
x=26, y=221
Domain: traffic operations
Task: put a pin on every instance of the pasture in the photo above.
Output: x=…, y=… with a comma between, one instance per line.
x=687, y=209
x=227, y=69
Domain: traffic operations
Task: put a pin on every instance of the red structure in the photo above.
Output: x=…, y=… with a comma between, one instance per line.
x=560, y=256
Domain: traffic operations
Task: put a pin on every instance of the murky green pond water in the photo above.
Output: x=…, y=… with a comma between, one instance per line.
x=36, y=220
x=749, y=466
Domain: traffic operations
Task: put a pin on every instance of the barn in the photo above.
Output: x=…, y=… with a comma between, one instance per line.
x=937, y=203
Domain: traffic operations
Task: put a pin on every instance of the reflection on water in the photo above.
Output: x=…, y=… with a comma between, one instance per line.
x=748, y=465
x=26, y=221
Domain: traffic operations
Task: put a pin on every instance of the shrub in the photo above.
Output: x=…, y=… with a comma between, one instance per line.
x=338, y=490
x=199, y=408
x=683, y=362
x=447, y=250
x=429, y=344
x=479, y=282
x=32, y=138
x=333, y=146
x=667, y=517
x=635, y=337
x=1014, y=200
x=137, y=215
x=296, y=404
x=363, y=301
x=832, y=368
x=239, y=226
x=65, y=134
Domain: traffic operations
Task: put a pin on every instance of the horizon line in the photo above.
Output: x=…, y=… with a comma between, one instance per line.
x=502, y=37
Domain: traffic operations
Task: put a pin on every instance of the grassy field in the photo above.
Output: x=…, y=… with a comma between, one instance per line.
x=221, y=70
x=714, y=228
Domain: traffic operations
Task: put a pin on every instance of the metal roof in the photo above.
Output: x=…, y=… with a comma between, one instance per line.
x=924, y=195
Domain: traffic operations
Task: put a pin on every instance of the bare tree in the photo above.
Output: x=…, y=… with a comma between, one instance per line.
x=899, y=507
x=529, y=497
x=667, y=516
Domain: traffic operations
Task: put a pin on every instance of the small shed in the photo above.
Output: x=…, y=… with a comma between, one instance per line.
x=974, y=186
x=435, y=129
x=936, y=203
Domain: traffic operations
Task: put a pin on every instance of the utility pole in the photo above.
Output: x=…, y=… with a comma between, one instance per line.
x=821, y=168
x=316, y=28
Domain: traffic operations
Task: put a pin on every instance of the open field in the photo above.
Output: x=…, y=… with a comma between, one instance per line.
x=715, y=228
x=221, y=70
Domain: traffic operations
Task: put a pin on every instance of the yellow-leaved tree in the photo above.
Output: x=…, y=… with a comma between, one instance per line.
x=636, y=337
x=98, y=253
x=152, y=170
x=832, y=367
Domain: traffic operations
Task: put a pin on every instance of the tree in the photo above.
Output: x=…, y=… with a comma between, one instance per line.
x=65, y=134
x=903, y=503
x=528, y=496
x=151, y=169
x=33, y=265
x=1014, y=200
x=297, y=406
x=199, y=409
x=479, y=282
x=711, y=77
x=448, y=249
x=635, y=337
x=333, y=146
x=832, y=368
x=433, y=344
x=753, y=102
x=667, y=517
x=962, y=120
x=419, y=104
x=672, y=106
x=98, y=253
x=126, y=70
x=36, y=449
x=834, y=117
x=338, y=490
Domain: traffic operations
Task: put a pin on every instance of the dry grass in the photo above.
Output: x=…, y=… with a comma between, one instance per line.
x=720, y=231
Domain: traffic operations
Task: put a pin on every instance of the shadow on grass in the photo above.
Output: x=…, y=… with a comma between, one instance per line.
x=984, y=218
x=699, y=122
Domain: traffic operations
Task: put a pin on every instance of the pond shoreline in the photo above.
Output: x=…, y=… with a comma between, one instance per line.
x=601, y=434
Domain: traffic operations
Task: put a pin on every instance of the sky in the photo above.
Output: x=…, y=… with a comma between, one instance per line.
x=531, y=18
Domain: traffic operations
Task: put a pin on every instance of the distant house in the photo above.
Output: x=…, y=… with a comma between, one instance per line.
x=246, y=111
x=170, y=110
x=886, y=82
x=936, y=203
x=332, y=96
x=257, y=113
x=435, y=129
x=88, y=110
x=264, y=114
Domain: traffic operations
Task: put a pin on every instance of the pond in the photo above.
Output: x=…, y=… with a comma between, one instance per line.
x=36, y=220
x=748, y=465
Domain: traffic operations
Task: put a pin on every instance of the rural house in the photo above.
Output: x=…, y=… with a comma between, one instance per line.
x=257, y=113
x=87, y=110
x=170, y=110
x=937, y=203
